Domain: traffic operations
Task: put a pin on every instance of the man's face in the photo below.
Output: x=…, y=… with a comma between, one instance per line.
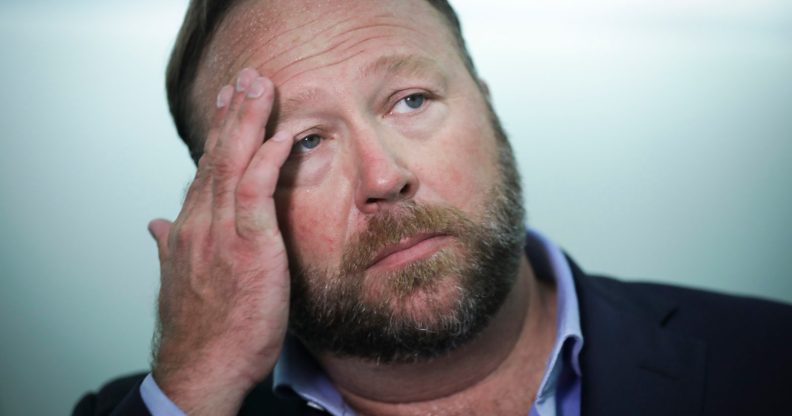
x=399, y=206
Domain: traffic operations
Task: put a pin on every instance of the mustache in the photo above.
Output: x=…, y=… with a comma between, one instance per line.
x=389, y=227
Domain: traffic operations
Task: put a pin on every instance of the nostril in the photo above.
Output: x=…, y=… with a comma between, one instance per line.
x=405, y=190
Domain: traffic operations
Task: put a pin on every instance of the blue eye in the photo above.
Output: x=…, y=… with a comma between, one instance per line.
x=410, y=103
x=414, y=101
x=307, y=143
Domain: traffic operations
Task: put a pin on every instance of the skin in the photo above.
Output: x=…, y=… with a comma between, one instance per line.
x=340, y=70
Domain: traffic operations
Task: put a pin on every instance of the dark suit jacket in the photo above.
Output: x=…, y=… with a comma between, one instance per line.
x=649, y=350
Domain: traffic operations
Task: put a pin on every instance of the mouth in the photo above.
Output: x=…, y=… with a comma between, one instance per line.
x=407, y=250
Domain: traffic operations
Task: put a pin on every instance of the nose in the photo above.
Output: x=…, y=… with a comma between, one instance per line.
x=383, y=176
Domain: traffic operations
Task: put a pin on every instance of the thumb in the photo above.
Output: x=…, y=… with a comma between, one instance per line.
x=160, y=229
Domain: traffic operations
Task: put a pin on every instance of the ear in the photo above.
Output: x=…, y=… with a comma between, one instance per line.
x=484, y=87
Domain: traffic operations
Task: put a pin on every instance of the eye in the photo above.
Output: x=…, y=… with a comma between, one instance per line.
x=307, y=143
x=410, y=103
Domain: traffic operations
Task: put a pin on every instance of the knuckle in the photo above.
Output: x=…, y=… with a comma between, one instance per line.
x=183, y=236
x=247, y=192
x=247, y=223
x=221, y=158
x=221, y=167
x=223, y=196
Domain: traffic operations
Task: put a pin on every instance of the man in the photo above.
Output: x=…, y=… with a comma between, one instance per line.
x=369, y=256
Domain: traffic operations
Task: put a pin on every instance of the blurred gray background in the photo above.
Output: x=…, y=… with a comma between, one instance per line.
x=654, y=138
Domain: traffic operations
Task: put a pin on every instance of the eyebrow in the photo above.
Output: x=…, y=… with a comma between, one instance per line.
x=409, y=65
x=404, y=65
x=294, y=103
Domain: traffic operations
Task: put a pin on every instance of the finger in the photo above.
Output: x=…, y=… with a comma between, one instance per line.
x=199, y=193
x=160, y=231
x=223, y=102
x=255, y=207
x=243, y=130
x=241, y=135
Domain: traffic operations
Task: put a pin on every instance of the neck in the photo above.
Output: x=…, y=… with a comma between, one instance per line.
x=516, y=343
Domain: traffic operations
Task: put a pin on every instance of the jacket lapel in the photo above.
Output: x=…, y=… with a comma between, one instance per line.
x=630, y=364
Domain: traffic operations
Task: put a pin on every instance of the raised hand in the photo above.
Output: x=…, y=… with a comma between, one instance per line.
x=224, y=296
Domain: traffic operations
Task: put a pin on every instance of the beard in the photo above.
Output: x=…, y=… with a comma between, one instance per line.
x=404, y=316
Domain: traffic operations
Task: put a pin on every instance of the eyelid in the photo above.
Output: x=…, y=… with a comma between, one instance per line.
x=315, y=130
x=402, y=95
x=302, y=136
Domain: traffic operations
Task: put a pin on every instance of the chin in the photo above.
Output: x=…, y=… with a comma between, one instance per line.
x=427, y=305
x=420, y=290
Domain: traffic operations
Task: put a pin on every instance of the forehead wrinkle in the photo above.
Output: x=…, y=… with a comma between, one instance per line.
x=336, y=46
x=305, y=58
x=234, y=28
x=247, y=53
x=295, y=102
x=348, y=36
x=326, y=65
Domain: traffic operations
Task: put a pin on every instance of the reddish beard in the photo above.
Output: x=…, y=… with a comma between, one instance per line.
x=422, y=309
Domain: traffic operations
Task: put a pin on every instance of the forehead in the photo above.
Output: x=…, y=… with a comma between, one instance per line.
x=288, y=38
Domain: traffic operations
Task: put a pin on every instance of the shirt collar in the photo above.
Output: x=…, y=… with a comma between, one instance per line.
x=548, y=262
x=297, y=373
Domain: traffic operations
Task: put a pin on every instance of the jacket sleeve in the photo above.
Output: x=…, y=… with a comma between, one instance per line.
x=120, y=397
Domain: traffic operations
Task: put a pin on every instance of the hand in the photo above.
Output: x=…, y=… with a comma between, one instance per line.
x=224, y=295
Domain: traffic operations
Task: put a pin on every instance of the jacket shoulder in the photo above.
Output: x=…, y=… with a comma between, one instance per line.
x=729, y=354
x=702, y=313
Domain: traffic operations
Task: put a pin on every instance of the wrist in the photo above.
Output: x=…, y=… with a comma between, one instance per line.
x=199, y=395
x=199, y=384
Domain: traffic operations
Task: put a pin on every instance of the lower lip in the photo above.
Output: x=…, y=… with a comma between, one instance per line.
x=420, y=251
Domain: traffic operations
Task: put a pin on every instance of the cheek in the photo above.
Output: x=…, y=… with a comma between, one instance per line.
x=465, y=169
x=309, y=170
x=312, y=225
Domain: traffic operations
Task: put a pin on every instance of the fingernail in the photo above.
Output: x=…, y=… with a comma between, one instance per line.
x=257, y=88
x=280, y=137
x=224, y=96
x=244, y=79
